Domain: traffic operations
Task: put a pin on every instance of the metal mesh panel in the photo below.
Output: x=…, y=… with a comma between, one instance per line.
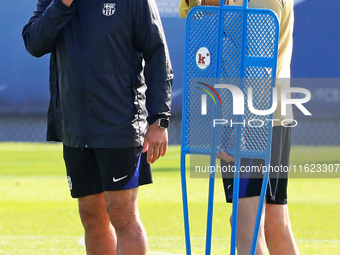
x=226, y=136
x=260, y=31
x=198, y=127
x=231, y=46
x=260, y=45
x=255, y=134
x=241, y=55
x=198, y=131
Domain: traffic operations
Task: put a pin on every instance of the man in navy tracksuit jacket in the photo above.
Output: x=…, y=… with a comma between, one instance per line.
x=110, y=76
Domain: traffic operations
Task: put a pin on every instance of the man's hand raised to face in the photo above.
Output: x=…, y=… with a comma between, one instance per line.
x=67, y=2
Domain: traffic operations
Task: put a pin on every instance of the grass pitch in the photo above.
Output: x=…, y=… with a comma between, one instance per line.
x=38, y=216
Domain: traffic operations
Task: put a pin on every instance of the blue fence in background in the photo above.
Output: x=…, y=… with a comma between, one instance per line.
x=24, y=79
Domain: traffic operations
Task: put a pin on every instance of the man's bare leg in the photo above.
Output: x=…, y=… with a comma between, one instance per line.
x=122, y=208
x=279, y=235
x=245, y=228
x=100, y=237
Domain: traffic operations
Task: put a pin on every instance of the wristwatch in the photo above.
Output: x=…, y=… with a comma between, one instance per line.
x=163, y=123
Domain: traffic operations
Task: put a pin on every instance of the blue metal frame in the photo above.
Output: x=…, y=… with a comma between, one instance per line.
x=238, y=153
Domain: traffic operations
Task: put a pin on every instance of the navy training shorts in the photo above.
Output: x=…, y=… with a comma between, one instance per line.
x=251, y=183
x=94, y=170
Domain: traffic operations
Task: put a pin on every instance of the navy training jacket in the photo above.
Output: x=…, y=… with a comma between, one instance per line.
x=110, y=70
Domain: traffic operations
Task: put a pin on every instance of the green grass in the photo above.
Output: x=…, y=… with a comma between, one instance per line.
x=38, y=216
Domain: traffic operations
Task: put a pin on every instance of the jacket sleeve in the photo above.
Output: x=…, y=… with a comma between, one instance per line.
x=43, y=29
x=150, y=40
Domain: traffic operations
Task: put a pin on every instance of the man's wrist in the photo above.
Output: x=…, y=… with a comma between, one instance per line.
x=163, y=123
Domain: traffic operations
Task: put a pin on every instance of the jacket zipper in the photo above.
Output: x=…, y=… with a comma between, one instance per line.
x=83, y=121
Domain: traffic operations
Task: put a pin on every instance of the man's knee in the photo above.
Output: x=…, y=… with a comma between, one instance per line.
x=92, y=211
x=120, y=220
x=122, y=208
x=247, y=217
x=248, y=210
x=277, y=217
x=89, y=217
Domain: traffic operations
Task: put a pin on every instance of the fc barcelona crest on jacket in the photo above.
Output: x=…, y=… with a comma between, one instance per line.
x=109, y=9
